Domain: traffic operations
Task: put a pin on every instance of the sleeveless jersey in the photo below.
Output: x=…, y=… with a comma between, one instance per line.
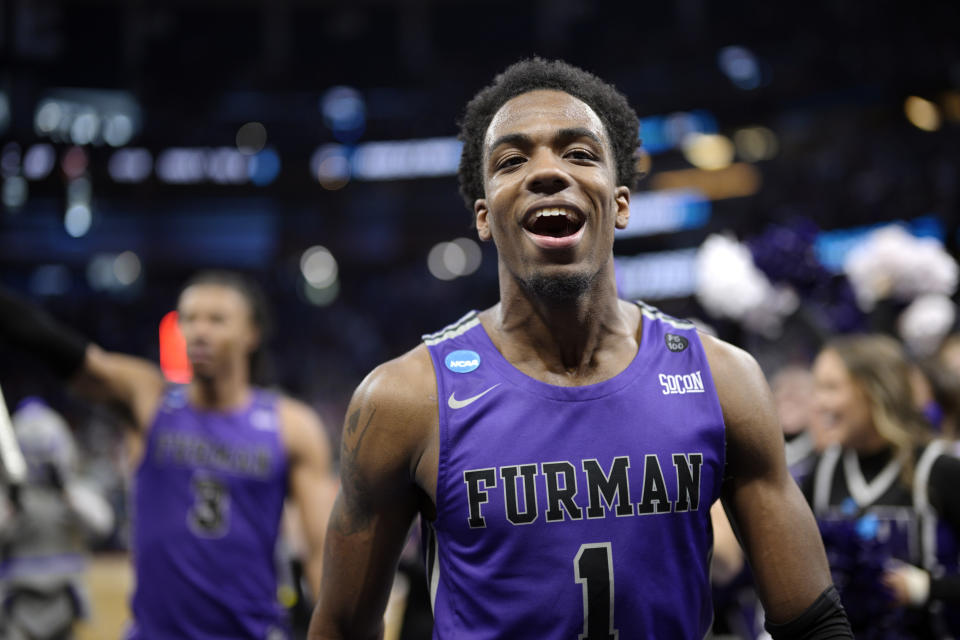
x=574, y=512
x=207, y=502
x=867, y=523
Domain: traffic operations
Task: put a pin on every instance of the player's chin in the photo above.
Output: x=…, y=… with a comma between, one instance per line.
x=559, y=284
x=203, y=370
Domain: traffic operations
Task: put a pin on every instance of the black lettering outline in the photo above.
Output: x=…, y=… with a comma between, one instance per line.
x=599, y=496
x=688, y=481
x=653, y=486
x=477, y=497
x=511, y=499
x=561, y=498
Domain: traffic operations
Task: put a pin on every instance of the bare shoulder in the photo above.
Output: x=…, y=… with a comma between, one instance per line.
x=296, y=412
x=741, y=385
x=404, y=385
x=390, y=425
x=398, y=399
x=753, y=433
x=301, y=427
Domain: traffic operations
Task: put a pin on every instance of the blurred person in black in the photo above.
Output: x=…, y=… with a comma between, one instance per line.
x=219, y=457
x=885, y=496
x=50, y=519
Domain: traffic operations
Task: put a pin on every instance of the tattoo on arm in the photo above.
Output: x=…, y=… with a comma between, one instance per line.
x=352, y=423
x=355, y=516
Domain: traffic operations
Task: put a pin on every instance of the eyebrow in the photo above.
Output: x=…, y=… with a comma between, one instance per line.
x=562, y=135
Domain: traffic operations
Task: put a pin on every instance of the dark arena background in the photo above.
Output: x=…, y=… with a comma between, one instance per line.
x=801, y=180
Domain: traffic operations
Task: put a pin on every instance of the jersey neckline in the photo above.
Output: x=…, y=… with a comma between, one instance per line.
x=557, y=392
x=253, y=399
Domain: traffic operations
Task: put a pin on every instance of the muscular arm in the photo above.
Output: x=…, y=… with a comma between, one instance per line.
x=383, y=441
x=776, y=527
x=133, y=382
x=311, y=481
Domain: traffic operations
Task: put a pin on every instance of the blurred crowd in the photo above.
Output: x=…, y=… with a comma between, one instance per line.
x=865, y=425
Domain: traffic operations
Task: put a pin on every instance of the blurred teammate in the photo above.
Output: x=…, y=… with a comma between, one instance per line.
x=886, y=496
x=50, y=519
x=563, y=447
x=219, y=458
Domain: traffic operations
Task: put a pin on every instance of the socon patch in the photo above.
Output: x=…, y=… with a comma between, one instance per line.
x=676, y=343
x=462, y=361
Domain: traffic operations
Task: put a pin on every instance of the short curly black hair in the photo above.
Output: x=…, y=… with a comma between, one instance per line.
x=610, y=105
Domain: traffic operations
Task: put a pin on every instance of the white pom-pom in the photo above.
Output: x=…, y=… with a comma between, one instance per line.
x=892, y=263
x=729, y=285
x=925, y=323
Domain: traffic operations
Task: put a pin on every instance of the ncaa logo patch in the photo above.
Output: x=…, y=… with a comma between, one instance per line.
x=462, y=361
x=676, y=343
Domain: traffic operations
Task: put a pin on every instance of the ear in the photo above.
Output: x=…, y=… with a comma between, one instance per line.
x=483, y=225
x=622, y=197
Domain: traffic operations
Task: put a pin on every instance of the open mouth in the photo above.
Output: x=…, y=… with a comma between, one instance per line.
x=199, y=353
x=554, y=222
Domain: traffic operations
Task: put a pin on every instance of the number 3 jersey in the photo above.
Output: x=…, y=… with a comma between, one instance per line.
x=574, y=512
x=207, y=502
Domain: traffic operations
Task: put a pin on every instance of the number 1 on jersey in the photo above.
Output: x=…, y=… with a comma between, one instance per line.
x=593, y=568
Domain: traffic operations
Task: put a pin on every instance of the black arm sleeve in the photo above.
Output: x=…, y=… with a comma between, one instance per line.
x=825, y=619
x=33, y=330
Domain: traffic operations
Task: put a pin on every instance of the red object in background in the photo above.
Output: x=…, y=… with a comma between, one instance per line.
x=74, y=163
x=173, y=351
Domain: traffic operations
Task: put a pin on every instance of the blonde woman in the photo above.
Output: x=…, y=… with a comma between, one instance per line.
x=886, y=496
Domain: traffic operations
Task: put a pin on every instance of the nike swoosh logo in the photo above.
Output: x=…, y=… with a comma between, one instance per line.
x=453, y=403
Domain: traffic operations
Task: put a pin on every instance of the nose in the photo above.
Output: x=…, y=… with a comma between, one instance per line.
x=195, y=331
x=545, y=174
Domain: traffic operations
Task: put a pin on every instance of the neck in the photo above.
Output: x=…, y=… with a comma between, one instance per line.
x=871, y=443
x=573, y=337
x=221, y=392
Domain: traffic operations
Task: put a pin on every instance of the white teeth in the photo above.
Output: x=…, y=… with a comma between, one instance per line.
x=555, y=212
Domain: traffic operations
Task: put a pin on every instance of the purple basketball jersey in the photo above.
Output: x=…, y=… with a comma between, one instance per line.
x=574, y=512
x=207, y=501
